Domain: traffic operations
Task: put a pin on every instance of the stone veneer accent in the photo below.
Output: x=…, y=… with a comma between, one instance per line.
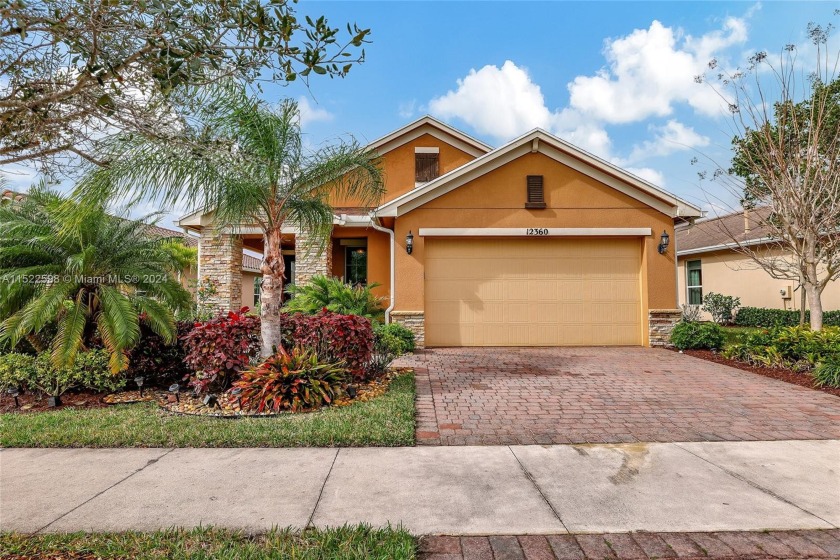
x=311, y=258
x=413, y=321
x=661, y=323
x=220, y=260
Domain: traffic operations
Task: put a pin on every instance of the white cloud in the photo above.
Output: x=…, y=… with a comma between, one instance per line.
x=312, y=113
x=648, y=174
x=504, y=103
x=407, y=109
x=671, y=137
x=500, y=102
x=650, y=70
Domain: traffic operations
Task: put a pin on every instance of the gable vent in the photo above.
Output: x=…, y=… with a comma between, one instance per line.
x=536, y=195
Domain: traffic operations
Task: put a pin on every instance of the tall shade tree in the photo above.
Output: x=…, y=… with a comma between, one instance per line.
x=76, y=71
x=252, y=170
x=786, y=163
x=94, y=276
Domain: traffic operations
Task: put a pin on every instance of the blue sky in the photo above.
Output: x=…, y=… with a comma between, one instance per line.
x=612, y=77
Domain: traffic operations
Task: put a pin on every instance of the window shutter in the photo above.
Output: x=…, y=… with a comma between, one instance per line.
x=425, y=167
x=536, y=194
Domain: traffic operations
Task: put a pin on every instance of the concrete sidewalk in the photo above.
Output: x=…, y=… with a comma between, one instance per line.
x=430, y=490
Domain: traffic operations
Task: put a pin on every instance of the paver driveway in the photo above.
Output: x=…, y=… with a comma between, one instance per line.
x=493, y=396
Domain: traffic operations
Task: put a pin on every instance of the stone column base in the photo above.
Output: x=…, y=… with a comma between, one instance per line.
x=660, y=324
x=413, y=321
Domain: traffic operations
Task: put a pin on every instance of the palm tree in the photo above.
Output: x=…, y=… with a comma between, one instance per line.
x=94, y=276
x=245, y=162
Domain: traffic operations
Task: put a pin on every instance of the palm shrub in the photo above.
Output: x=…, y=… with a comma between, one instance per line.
x=332, y=294
x=88, y=273
x=293, y=381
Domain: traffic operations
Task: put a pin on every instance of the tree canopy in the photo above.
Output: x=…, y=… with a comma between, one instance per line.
x=74, y=72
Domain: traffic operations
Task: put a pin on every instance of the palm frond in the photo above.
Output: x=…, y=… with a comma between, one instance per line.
x=69, y=338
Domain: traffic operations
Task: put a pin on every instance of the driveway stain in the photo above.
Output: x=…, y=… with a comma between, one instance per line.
x=634, y=458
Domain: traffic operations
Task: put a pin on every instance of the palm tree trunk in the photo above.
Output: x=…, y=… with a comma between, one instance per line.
x=271, y=293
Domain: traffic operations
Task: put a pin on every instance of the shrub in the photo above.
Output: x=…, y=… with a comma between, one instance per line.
x=159, y=363
x=720, y=307
x=333, y=294
x=798, y=347
x=695, y=336
x=90, y=370
x=16, y=370
x=764, y=317
x=690, y=313
x=827, y=373
x=333, y=337
x=217, y=350
x=292, y=381
x=397, y=338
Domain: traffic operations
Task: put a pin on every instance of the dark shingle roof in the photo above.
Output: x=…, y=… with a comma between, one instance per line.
x=723, y=230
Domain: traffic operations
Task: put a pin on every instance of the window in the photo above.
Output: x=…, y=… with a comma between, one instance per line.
x=355, y=265
x=536, y=195
x=426, y=166
x=694, y=282
x=257, y=284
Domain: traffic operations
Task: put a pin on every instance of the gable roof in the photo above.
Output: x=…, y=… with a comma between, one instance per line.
x=541, y=141
x=430, y=125
x=723, y=232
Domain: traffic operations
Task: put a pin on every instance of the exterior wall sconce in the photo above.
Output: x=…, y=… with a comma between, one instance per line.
x=664, y=241
x=409, y=242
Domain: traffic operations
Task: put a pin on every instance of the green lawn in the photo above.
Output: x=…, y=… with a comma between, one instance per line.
x=735, y=335
x=384, y=421
x=356, y=542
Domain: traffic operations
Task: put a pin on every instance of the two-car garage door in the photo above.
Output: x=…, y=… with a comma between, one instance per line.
x=533, y=292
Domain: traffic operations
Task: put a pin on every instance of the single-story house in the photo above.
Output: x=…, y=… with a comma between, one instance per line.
x=711, y=259
x=533, y=243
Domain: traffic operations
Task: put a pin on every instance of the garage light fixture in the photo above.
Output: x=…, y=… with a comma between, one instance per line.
x=664, y=241
x=409, y=242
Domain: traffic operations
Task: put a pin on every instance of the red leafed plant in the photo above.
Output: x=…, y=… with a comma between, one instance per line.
x=217, y=350
x=333, y=337
x=293, y=382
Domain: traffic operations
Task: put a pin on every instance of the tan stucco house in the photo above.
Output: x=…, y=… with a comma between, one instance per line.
x=533, y=243
x=711, y=258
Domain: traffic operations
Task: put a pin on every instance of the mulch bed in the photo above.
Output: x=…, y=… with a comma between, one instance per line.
x=782, y=374
x=30, y=402
x=188, y=404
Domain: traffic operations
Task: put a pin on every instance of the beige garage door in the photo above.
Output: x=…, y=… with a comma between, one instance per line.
x=533, y=292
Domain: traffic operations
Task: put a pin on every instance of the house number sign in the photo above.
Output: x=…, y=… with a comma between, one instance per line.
x=536, y=231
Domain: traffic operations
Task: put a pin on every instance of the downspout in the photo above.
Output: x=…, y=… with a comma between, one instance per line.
x=375, y=225
x=677, y=269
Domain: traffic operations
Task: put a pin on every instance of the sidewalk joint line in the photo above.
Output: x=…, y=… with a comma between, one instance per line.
x=321, y=493
x=533, y=481
x=757, y=486
x=148, y=463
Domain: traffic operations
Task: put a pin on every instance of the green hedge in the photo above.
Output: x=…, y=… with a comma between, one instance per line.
x=763, y=317
x=696, y=336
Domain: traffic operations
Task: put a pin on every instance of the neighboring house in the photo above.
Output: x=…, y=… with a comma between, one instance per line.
x=534, y=243
x=709, y=260
x=250, y=271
